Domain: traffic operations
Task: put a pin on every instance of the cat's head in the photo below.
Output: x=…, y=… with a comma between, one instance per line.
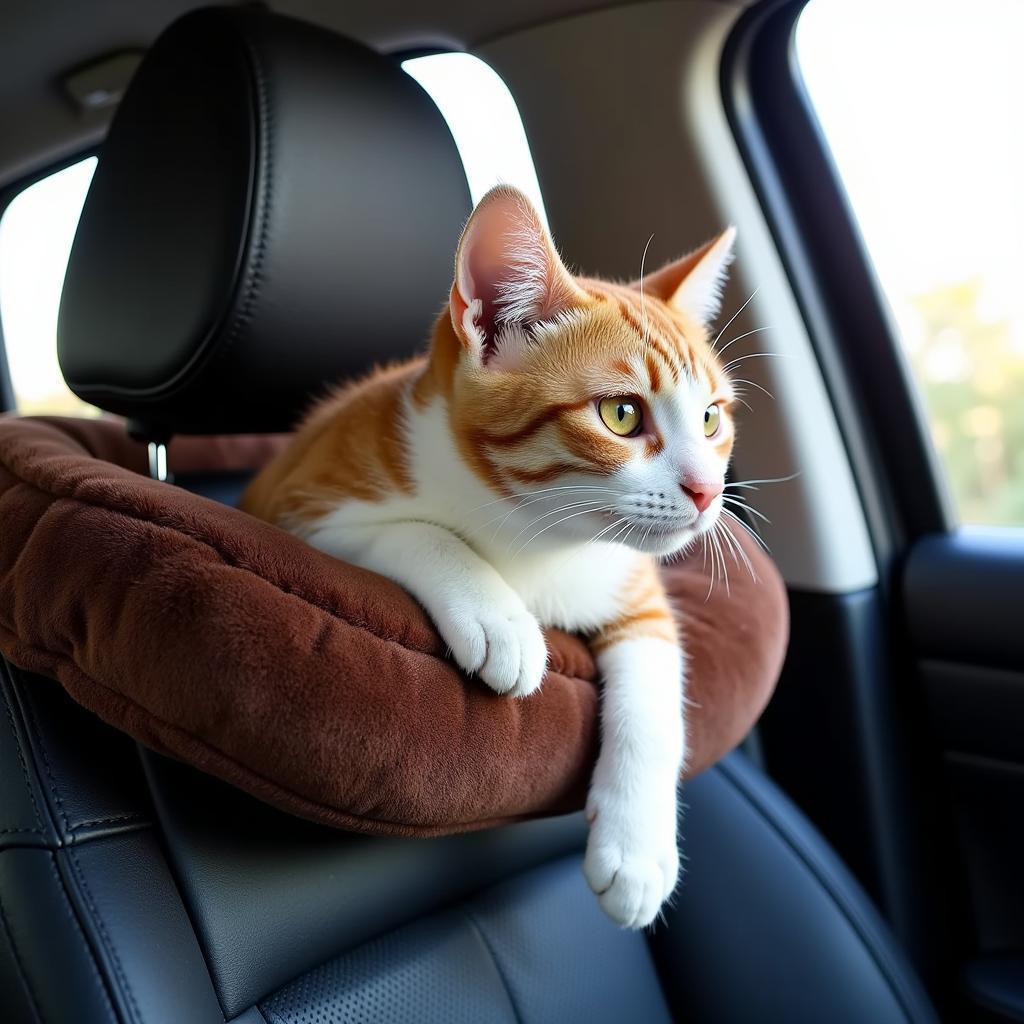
x=599, y=409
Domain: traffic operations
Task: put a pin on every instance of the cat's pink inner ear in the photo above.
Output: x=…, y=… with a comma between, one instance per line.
x=507, y=273
x=694, y=282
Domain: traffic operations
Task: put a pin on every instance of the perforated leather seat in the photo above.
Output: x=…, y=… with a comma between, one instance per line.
x=133, y=889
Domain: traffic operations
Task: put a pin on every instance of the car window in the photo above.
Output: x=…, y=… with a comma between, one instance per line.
x=484, y=121
x=38, y=226
x=36, y=232
x=931, y=152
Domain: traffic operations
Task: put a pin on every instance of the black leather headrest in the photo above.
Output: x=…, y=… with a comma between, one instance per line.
x=275, y=208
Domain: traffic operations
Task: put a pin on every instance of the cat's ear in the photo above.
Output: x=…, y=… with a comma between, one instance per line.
x=694, y=282
x=508, y=276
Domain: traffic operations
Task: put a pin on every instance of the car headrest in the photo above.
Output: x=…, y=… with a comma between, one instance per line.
x=275, y=208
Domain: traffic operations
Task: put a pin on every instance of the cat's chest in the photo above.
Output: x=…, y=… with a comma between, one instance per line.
x=579, y=590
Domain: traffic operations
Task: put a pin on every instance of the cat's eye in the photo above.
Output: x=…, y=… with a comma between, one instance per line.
x=621, y=415
x=712, y=417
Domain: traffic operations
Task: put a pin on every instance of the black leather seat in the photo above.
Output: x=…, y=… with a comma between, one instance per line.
x=133, y=889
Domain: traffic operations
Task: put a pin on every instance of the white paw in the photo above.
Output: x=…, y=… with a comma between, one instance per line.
x=632, y=861
x=499, y=641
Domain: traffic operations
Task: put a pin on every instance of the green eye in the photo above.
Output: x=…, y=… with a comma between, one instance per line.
x=712, y=417
x=621, y=415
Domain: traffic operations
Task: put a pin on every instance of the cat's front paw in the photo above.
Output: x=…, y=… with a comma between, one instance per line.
x=632, y=861
x=502, y=644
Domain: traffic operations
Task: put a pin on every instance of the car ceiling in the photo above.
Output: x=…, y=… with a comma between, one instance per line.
x=41, y=41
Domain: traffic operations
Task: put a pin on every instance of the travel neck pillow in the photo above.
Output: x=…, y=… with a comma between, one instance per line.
x=316, y=686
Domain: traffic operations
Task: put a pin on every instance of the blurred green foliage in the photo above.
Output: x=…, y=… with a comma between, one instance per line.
x=971, y=372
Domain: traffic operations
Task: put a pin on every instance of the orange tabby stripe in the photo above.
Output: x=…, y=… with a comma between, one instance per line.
x=646, y=612
x=545, y=475
x=351, y=447
x=635, y=315
x=542, y=419
x=654, y=446
x=602, y=450
x=653, y=372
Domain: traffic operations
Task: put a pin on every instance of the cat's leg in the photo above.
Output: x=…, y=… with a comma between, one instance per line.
x=477, y=613
x=632, y=860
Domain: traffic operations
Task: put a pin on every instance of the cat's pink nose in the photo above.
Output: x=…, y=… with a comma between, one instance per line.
x=702, y=492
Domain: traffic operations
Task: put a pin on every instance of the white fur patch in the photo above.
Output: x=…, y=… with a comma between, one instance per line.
x=632, y=859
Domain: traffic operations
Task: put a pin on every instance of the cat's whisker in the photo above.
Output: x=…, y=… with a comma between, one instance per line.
x=753, y=384
x=733, y=317
x=530, y=498
x=717, y=541
x=712, y=566
x=599, y=503
x=753, y=533
x=600, y=533
x=735, y=500
x=593, y=540
x=622, y=527
x=522, y=547
x=628, y=534
x=755, y=484
x=643, y=305
x=746, y=558
x=747, y=334
x=546, y=490
x=507, y=515
x=707, y=545
x=738, y=553
x=647, y=533
x=753, y=355
x=738, y=499
x=716, y=576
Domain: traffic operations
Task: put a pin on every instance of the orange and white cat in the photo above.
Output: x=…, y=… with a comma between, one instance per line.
x=561, y=435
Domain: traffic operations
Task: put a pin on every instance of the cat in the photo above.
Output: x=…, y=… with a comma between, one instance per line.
x=562, y=434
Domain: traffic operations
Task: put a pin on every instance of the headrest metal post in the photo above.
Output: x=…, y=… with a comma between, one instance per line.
x=158, y=461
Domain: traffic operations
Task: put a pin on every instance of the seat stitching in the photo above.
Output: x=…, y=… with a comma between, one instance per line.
x=475, y=925
x=24, y=771
x=34, y=721
x=91, y=956
x=117, y=819
x=833, y=887
x=265, y=199
x=22, y=973
x=69, y=828
x=104, y=934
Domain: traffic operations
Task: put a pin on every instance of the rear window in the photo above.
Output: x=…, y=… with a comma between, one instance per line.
x=36, y=232
x=38, y=226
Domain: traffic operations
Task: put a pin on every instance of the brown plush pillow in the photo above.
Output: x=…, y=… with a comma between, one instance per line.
x=314, y=685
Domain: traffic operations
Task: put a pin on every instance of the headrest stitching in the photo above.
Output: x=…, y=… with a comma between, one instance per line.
x=264, y=168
